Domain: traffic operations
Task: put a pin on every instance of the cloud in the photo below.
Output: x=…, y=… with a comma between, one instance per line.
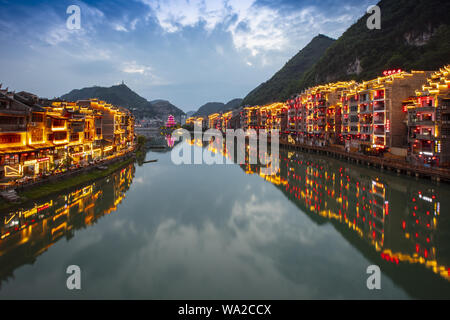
x=57, y=35
x=51, y=28
x=133, y=24
x=133, y=67
x=121, y=28
x=205, y=50
x=91, y=12
x=145, y=72
x=253, y=27
x=173, y=15
x=259, y=30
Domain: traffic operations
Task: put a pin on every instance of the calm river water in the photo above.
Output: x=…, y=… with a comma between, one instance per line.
x=162, y=231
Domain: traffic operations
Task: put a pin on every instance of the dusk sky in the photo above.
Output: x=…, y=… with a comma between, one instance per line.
x=187, y=52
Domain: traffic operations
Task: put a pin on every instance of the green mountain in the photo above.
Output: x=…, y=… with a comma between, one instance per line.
x=121, y=95
x=232, y=104
x=414, y=35
x=213, y=107
x=165, y=107
x=284, y=82
x=209, y=108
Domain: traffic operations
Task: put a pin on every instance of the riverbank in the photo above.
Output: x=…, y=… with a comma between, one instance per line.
x=47, y=188
x=396, y=165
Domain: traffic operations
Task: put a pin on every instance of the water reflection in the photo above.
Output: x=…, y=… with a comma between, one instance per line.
x=394, y=221
x=401, y=222
x=207, y=232
x=170, y=141
x=27, y=233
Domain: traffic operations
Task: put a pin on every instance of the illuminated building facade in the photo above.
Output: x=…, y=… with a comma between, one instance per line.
x=360, y=116
x=23, y=146
x=273, y=117
x=226, y=118
x=199, y=121
x=429, y=121
x=368, y=117
x=41, y=137
x=295, y=115
x=249, y=118
x=317, y=115
x=380, y=101
x=190, y=121
x=214, y=121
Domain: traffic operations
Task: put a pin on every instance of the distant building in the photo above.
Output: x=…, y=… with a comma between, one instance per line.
x=214, y=121
x=183, y=118
x=170, y=121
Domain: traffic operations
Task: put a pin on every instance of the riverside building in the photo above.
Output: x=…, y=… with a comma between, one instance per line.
x=379, y=122
x=429, y=121
x=373, y=117
x=39, y=137
x=363, y=117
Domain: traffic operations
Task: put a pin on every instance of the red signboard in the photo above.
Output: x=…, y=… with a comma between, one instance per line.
x=391, y=72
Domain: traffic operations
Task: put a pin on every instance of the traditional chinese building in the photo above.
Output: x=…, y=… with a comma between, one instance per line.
x=249, y=117
x=215, y=121
x=380, y=100
x=39, y=136
x=170, y=121
x=429, y=121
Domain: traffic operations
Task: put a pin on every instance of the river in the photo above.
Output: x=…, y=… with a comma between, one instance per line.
x=166, y=231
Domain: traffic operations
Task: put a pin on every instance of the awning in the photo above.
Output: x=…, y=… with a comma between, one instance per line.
x=42, y=146
x=12, y=150
x=57, y=117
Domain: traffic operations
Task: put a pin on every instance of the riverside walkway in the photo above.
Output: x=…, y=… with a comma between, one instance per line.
x=399, y=166
x=64, y=175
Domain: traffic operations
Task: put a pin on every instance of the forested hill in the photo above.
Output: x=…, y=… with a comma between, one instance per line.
x=414, y=35
x=121, y=95
x=282, y=84
x=213, y=107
